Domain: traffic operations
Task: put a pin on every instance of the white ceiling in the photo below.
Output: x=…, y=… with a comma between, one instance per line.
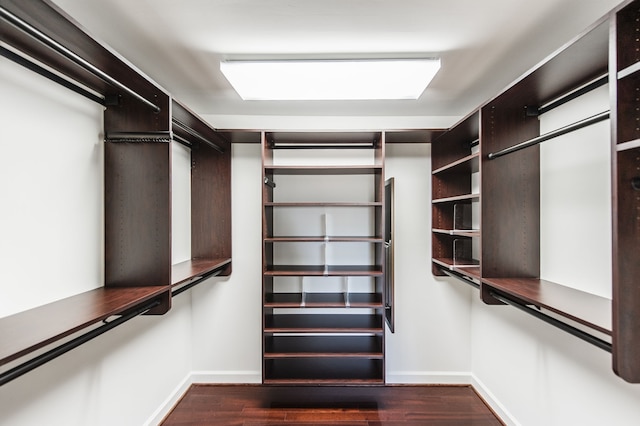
x=483, y=44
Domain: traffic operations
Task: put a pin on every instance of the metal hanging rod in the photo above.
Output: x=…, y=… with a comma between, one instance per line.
x=27, y=366
x=51, y=43
x=461, y=277
x=196, y=135
x=553, y=134
x=196, y=281
x=598, y=82
x=32, y=66
x=556, y=323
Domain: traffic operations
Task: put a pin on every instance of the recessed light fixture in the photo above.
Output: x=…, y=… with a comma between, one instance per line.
x=330, y=79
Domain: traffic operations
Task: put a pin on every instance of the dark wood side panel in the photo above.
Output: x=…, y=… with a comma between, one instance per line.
x=626, y=249
x=510, y=194
x=137, y=214
x=211, y=203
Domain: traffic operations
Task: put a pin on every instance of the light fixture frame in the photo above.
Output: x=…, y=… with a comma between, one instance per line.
x=330, y=79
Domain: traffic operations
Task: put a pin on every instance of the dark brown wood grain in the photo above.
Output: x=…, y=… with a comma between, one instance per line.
x=329, y=405
x=585, y=308
x=28, y=331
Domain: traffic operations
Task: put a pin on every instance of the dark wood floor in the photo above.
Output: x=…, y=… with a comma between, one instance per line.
x=253, y=405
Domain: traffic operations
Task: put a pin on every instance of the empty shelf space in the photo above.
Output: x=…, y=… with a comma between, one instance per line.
x=323, y=170
x=195, y=268
x=323, y=323
x=456, y=198
x=323, y=346
x=321, y=270
x=323, y=371
x=584, y=308
x=633, y=144
x=28, y=331
x=323, y=300
x=466, y=165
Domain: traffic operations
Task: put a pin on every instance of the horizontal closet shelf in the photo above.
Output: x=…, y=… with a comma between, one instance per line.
x=30, y=330
x=584, y=308
x=195, y=268
x=462, y=197
x=320, y=239
x=469, y=164
x=458, y=232
x=323, y=300
x=324, y=170
x=323, y=323
x=628, y=71
x=320, y=270
x=472, y=271
x=319, y=371
x=323, y=346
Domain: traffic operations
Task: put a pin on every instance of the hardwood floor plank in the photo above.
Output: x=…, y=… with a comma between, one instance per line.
x=253, y=405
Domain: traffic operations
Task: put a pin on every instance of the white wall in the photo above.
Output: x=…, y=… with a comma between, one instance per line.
x=51, y=247
x=432, y=329
x=537, y=374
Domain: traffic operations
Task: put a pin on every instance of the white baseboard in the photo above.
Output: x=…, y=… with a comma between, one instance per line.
x=428, y=378
x=170, y=402
x=493, y=402
x=227, y=377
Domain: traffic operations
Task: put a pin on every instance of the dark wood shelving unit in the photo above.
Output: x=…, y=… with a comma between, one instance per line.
x=455, y=158
x=507, y=132
x=317, y=335
x=141, y=120
x=626, y=191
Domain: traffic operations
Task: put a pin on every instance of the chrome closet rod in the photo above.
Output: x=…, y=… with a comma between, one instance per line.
x=51, y=43
x=196, y=135
x=553, y=134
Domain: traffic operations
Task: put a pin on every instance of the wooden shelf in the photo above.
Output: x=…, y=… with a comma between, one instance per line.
x=25, y=332
x=584, y=308
x=323, y=346
x=463, y=197
x=319, y=270
x=323, y=323
x=472, y=271
x=185, y=271
x=458, y=232
x=323, y=170
x=466, y=165
x=321, y=239
x=323, y=300
x=319, y=371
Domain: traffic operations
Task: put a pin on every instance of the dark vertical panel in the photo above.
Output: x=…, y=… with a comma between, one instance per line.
x=211, y=203
x=137, y=214
x=510, y=194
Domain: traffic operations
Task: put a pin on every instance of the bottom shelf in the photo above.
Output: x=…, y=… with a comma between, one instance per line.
x=328, y=371
x=323, y=346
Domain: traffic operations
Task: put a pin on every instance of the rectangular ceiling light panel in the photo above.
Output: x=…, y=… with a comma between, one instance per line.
x=330, y=79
